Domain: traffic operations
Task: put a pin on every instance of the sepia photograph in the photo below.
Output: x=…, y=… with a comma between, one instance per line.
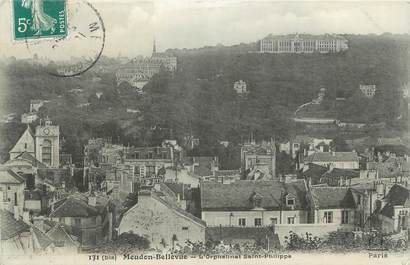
x=204, y=132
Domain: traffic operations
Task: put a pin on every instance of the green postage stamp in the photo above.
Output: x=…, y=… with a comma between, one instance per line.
x=39, y=19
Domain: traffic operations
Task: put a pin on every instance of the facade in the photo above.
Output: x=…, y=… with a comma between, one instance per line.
x=395, y=215
x=246, y=203
x=147, y=165
x=12, y=190
x=302, y=43
x=259, y=159
x=139, y=71
x=342, y=160
x=332, y=205
x=163, y=223
x=368, y=90
x=240, y=87
x=28, y=118
x=26, y=143
x=48, y=144
x=90, y=218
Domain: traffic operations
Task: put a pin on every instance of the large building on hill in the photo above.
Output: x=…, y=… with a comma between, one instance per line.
x=302, y=43
x=139, y=71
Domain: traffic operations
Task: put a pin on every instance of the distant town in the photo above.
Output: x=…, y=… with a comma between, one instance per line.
x=330, y=182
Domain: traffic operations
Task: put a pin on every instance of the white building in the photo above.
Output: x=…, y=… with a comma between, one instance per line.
x=368, y=90
x=246, y=203
x=302, y=43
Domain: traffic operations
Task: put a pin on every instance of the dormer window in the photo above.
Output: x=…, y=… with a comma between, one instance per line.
x=290, y=200
x=256, y=200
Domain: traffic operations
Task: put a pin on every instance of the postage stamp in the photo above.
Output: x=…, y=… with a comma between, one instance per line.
x=39, y=19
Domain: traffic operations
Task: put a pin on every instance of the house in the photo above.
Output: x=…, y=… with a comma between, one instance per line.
x=246, y=203
x=343, y=160
x=339, y=176
x=259, y=157
x=312, y=172
x=15, y=234
x=240, y=88
x=12, y=187
x=202, y=166
x=86, y=216
x=394, y=216
x=162, y=222
x=147, y=165
x=332, y=205
x=368, y=90
x=20, y=237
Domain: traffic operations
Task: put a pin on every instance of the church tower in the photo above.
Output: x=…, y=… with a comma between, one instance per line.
x=47, y=140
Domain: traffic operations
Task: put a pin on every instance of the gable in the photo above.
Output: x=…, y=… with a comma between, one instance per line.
x=25, y=143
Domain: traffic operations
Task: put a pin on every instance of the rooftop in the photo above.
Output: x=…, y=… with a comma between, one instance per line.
x=332, y=197
x=332, y=157
x=237, y=196
x=10, y=227
x=10, y=177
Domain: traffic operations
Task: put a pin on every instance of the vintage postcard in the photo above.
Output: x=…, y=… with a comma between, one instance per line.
x=204, y=132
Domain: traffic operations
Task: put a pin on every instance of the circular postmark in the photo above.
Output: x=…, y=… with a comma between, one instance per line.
x=80, y=49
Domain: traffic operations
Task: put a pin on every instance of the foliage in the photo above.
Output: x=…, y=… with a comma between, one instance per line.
x=298, y=242
x=348, y=241
x=199, y=98
x=124, y=244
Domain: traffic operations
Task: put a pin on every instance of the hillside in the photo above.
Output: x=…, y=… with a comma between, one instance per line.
x=199, y=98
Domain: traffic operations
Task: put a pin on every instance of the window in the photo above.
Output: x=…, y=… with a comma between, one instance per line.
x=150, y=155
x=258, y=221
x=77, y=222
x=164, y=155
x=345, y=217
x=8, y=187
x=290, y=201
x=150, y=171
x=328, y=218
x=93, y=220
x=46, y=152
x=185, y=228
x=359, y=199
x=291, y=220
x=274, y=221
x=25, y=145
x=242, y=222
x=137, y=155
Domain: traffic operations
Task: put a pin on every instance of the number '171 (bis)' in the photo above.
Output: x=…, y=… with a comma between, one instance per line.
x=39, y=19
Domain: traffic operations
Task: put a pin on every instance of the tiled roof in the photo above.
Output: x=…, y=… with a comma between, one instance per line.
x=314, y=172
x=43, y=239
x=237, y=195
x=10, y=227
x=340, y=172
x=58, y=234
x=332, y=197
x=74, y=207
x=398, y=195
x=179, y=210
x=9, y=176
x=29, y=157
x=176, y=188
x=332, y=157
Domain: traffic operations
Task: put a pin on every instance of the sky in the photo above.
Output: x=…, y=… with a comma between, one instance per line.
x=132, y=25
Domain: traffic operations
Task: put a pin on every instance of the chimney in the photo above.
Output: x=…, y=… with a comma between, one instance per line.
x=16, y=212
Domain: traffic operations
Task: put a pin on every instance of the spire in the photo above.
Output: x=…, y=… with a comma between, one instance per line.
x=154, y=48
